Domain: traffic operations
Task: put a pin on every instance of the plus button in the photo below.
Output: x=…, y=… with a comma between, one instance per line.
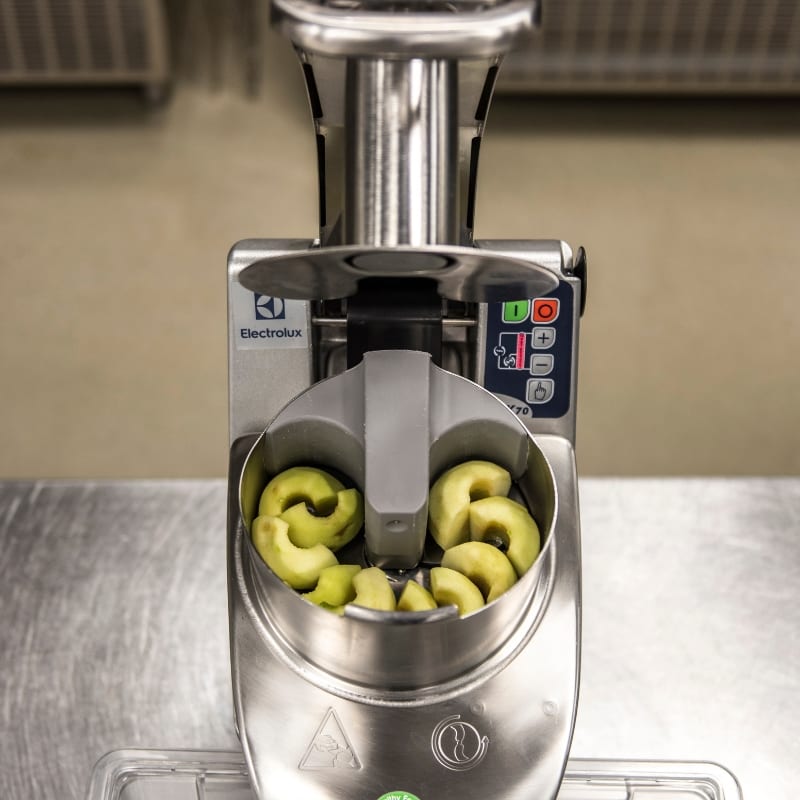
x=543, y=338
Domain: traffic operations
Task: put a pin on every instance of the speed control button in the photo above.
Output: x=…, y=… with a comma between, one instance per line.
x=541, y=364
x=543, y=338
x=539, y=390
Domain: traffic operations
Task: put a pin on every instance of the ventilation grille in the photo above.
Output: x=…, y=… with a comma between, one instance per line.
x=669, y=45
x=77, y=41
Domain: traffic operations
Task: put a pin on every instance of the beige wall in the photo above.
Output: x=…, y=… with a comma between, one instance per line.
x=115, y=224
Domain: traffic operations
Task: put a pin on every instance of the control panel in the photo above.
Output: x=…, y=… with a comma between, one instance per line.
x=529, y=352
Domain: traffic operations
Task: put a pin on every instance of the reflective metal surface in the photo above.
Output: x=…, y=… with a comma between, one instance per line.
x=433, y=92
x=514, y=709
x=399, y=93
x=475, y=30
x=113, y=630
x=396, y=652
x=402, y=167
x=462, y=273
x=262, y=381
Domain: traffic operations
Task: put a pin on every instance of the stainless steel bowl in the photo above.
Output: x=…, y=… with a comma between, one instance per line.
x=396, y=650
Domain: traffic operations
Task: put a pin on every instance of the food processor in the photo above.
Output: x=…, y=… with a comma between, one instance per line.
x=389, y=349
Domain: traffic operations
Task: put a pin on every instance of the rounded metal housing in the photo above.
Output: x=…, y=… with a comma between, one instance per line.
x=472, y=31
x=392, y=650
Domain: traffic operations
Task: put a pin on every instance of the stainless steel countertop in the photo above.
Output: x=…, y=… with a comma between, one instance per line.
x=113, y=626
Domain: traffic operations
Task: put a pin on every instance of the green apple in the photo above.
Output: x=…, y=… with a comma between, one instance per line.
x=300, y=485
x=300, y=567
x=335, y=530
x=335, y=587
x=448, y=504
x=486, y=566
x=373, y=590
x=510, y=522
x=451, y=588
x=415, y=598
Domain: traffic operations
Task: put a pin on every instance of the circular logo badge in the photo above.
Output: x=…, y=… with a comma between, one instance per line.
x=270, y=307
x=398, y=795
x=457, y=745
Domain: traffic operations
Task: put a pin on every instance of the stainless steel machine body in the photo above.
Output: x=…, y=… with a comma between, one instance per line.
x=395, y=304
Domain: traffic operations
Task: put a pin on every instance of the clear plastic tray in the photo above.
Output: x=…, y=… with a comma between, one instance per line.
x=210, y=775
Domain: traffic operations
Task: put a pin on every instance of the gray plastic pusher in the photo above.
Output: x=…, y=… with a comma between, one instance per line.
x=391, y=424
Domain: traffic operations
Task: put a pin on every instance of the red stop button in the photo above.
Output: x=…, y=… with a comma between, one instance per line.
x=545, y=309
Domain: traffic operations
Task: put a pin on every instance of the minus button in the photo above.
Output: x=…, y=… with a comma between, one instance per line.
x=541, y=364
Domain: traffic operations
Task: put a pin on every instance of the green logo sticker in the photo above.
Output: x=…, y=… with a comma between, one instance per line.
x=398, y=795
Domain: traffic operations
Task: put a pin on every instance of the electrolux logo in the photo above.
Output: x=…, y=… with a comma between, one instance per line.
x=263, y=322
x=280, y=333
x=268, y=308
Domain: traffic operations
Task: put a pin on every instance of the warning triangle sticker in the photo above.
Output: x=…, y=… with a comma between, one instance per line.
x=330, y=748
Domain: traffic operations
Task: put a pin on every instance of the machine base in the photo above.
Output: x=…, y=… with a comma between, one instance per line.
x=196, y=775
x=307, y=734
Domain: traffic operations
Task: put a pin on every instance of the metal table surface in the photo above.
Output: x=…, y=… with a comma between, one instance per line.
x=113, y=626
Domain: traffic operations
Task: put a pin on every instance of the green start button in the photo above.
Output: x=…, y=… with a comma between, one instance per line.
x=516, y=311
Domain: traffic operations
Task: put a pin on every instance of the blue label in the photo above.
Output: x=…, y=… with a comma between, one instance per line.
x=529, y=353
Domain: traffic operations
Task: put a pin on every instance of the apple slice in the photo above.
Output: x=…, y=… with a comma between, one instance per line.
x=335, y=587
x=415, y=598
x=300, y=567
x=373, y=590
x=448, y=504
x=300, y=485
x=487, y=567
x=335, y=530
x=510, y=522
x=451, y=588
